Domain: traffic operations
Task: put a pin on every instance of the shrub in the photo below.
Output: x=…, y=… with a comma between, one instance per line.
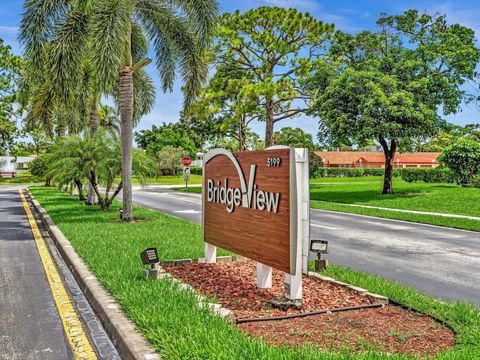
x=463, y=157
x=196, y=170
x=376, y=172
x=39, y=168
x=315, y=164
x=338, y=172
x=428, y=175
x=475, y=181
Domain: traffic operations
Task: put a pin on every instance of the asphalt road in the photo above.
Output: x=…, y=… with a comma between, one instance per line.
x=30, y=327
x=437, y=261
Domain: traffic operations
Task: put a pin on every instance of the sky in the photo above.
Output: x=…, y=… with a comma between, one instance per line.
x=350, y=16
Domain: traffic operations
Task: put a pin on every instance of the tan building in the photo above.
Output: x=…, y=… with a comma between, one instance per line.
x=376, y=159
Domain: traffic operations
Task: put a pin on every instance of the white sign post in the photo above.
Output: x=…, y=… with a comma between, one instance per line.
x=186, y=174
x=293, y=283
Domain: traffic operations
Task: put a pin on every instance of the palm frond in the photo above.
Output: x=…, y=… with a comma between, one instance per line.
x=42, y=109
x=109, y=34
x=203, y=17
x=139, y=43
x=69, y=48
x=143, y=94
x=164, y=46
x=175, y=42
x=36, y=28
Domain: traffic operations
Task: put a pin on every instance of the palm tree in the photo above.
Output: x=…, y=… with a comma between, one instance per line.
x=109, y=120
x=113, y=35
x=95, y=159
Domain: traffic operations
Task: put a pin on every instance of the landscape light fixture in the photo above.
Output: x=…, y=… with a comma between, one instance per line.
x=150, y=257
x=320, y=247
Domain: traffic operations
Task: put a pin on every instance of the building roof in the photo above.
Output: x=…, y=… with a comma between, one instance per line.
x=350, y=157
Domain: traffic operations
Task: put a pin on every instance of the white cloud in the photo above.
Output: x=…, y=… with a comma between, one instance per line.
x=155, y=118
x=8, y=31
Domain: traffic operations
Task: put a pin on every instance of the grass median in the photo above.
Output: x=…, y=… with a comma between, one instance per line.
x=170, y=318
x=168, y=180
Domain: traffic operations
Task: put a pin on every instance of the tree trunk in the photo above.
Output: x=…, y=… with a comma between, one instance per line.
x=79, y=185
x=389, y=157
x=73, y=189
x=92, y=198
x=241, y=133
x=62, y=131
x=126, y=113
x=269, y=122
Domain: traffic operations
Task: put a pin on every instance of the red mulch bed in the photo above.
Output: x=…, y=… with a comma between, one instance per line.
x=234, y=286
x=390, y=329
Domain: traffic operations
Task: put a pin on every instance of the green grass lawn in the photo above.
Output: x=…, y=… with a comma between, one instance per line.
x=441, y=198
x=169, y=180
x=170, y=318
x=330, y=193
x=23, y=177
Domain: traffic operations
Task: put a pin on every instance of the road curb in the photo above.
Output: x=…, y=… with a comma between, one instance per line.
x=131, y=345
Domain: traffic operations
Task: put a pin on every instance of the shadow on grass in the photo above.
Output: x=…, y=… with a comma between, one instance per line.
x=365, y=196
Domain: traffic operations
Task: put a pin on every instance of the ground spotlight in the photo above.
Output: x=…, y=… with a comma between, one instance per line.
x=320, y=247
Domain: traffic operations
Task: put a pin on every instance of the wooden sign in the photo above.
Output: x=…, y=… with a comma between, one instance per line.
x=249, y=205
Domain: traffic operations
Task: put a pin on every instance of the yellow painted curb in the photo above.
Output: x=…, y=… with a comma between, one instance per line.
x=81, y=347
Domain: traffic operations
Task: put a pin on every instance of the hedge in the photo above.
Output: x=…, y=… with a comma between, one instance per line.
x=428, y=175
x=195, y=170
x=350, y=172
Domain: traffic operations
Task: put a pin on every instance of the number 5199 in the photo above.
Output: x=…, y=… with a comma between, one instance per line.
x=274, y=162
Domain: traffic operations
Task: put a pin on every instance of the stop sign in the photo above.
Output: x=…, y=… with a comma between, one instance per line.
x=186, y=161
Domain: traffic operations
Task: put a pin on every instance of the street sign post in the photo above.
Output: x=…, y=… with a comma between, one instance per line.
x=186, y=175
x=187, y=161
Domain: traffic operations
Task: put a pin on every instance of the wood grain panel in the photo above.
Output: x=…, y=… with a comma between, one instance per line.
x=259, y=235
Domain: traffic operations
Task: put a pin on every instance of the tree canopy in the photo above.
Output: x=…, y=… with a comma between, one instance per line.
x=10, y=71
x=448, y=135
x=174, y=135
x=393, y=85
x=277, y=48
x=294, y=137
x=225, y=107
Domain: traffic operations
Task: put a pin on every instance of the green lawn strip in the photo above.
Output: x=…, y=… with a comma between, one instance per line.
x=464, y=224
x=168, y=316
x=22, y=178
x=440, y=198
x=168, y=180
x=196, y=189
